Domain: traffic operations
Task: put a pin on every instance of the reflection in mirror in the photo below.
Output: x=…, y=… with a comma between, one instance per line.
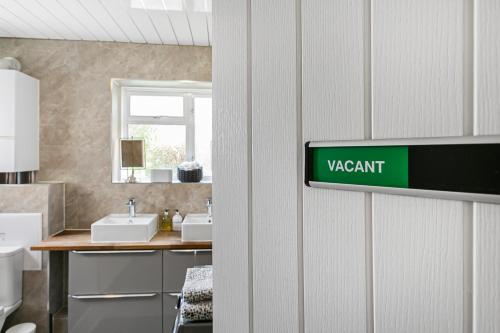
x=174, y=120
x=132, y=156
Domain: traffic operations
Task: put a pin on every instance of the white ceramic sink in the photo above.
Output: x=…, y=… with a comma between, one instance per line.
x=118, y=228
x=196, y=228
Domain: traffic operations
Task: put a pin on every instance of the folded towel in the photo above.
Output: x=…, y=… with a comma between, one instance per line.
x=199, y=311
x=198, y=285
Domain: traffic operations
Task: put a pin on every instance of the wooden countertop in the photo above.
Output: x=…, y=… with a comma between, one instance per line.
x=79, y=240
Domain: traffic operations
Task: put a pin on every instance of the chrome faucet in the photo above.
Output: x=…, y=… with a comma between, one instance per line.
x=131, y=208
x=209, y=208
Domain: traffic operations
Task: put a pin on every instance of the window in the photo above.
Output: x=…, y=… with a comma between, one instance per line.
x=174, y=119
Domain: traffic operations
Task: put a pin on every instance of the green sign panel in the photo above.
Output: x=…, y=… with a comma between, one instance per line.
x=374, y=166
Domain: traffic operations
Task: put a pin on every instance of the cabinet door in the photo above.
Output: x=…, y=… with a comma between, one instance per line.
x=101, y=272
x=170, y=310
x=7, y=103
x=125, y=313
x=203, y=257
x=175, y=264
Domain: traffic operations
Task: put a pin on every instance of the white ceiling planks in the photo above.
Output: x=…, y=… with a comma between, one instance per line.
x=164, y=26
x=42, y=18
x=69, y=21
x=145, y=26
x=209, y=27
x=181, y=27
x=104, y=19
x=198, y=23
x=85, y=19
x=16, y=25
x=120, y=15
x=147, y=21
x=37, y=25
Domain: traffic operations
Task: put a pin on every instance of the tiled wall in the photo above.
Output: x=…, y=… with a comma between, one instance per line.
x=75, y=114
x=47, y=199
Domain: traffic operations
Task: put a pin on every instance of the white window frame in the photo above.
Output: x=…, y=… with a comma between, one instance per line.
x=122, y=90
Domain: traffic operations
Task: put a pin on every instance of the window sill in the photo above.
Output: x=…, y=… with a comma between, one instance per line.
x=205, y=180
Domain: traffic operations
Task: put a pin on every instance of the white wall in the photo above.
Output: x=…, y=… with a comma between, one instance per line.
x=295, y=259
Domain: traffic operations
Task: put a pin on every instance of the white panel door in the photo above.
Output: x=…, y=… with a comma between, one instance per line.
x=231, y=163
x=417, y=54
x=418, y=79
x=487, y=70
x=275, y=166
x=418, y=264
x=486, y=268
x=333, y=90
x=486, y=257
x=334, y=261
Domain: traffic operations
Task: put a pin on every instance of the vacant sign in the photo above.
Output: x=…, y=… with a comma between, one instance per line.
x=465, y=168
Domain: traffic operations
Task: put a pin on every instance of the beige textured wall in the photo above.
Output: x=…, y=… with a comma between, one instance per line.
x=75, y=114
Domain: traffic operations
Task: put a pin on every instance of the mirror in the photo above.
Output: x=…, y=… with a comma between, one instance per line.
x=171, y=121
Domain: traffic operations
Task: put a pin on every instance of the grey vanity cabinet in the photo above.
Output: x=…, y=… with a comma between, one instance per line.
x=203, y=257
x=104, y=272
x=170, y=310
x=115, y=291
x=127, y=291
x=127, y=313
x=175, y=264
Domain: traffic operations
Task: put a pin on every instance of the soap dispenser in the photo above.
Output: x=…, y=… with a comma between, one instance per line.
x=177, y=221
x=166, y=221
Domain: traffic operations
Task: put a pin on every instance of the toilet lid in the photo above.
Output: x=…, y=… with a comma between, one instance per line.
x=1, y=310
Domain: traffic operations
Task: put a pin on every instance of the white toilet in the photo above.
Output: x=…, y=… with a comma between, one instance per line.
x=11, y=280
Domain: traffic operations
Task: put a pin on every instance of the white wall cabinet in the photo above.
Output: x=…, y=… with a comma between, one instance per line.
x=19, y=120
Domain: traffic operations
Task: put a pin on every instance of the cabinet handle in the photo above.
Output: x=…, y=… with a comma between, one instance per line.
x=178, y=303
x=190, y=251
x=114, y=252
x=182, y=251
x=113, y=296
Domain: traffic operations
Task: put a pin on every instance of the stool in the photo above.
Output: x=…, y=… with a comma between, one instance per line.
x=22, y=328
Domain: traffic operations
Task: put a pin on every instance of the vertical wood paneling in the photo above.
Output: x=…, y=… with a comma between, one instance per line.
x=486, y=268
x=418, y=262
x=487, y=67
x=333, y=90
x=333, y=76
x=486, y=255
x=418, y=80
x=417, y=68
x=275, y=175
x=231, y=165
x=334, y=265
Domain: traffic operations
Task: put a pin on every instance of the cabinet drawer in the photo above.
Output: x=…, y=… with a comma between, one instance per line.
x=101, y=272
x=123, y=313
x=203, y=257
x=169, y=310
x=175, y=264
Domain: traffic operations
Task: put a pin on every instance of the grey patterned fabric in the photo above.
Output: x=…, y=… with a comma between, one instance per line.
x=198, y=285
x=196, y=303
x=196, y=311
